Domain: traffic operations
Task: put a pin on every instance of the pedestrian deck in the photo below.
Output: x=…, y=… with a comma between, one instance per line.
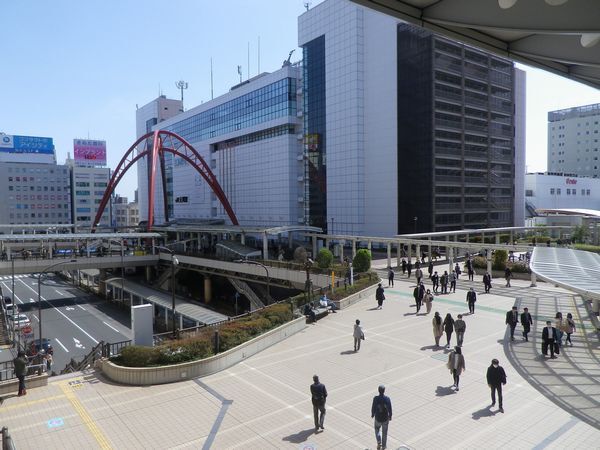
x=264, y=402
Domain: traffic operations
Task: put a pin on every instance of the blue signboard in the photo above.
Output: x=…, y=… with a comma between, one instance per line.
x=26, y=144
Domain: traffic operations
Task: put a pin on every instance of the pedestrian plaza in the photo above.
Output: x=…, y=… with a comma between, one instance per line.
x=265, y=403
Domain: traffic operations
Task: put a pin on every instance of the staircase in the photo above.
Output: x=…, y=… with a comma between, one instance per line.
x=531, y=209
x=164, y=277
x=94, y=355
x=243, y=288
x=5, y=341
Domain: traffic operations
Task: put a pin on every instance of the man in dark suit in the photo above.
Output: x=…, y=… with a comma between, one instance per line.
x=420, y=295
x=549, y=339
x=487, y=282
x=318, y=396
x=512, y=319
x=526, y=322
x=496, y=377
x=471, y=299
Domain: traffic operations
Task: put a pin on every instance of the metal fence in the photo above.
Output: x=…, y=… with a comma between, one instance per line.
x=37, y=365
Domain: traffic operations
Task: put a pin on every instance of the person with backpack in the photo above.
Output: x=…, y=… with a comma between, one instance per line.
x=381, y=411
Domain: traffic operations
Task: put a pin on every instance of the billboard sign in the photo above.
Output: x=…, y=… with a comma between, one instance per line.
x=89, y=152
x=26, y=144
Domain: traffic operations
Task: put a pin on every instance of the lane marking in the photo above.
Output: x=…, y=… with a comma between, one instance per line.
x=35, y=317
x=58, y=292
x=111, y=327
x=65, y=316
x=12, y=293
x=31, y=402
x=85, y=417
x=61, y=344
x=81, y=307
x=78, y=343
x=31, y=300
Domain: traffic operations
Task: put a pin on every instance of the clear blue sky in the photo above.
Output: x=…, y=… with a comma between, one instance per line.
x=76, y=68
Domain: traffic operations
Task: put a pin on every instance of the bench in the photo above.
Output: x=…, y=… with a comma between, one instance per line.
x=320, y=312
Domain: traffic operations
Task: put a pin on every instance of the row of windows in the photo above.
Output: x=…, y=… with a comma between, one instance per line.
x=36, y=188
x=38, y=197
x=38, y=170
x=37, y=215
x=38, y=206
x=573, y=191
x=254, y=137
x=39, y=179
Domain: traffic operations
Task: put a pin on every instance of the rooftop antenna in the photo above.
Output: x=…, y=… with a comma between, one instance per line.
x=181, y=85
x=240, y=72
x=307, y=5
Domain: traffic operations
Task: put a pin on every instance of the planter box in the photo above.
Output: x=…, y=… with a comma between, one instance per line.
x=356, y=297
x=12, y=385
x=144, y=376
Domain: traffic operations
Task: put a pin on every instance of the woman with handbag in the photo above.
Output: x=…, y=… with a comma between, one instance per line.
x=358, y=334
x=570, y=328
x=428, y=299
x=456, y=365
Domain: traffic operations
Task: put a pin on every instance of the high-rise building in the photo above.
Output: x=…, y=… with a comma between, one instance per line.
x=573, y=135
x=36, y=189
x=405, y=130
x=251, y=138
x=125, y=213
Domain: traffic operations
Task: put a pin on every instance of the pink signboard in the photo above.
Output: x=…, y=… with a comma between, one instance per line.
x=89, y=152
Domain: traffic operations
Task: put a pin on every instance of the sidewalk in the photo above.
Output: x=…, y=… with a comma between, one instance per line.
x=265, y=403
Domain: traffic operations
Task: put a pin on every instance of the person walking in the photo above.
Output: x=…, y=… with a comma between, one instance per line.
x=444, y=282
x=319, y=397
x=471, y=299
x=358, y=334
x=430, y=268
x=419, y=275
x=408, y=268
x=381, y=411
x=456, y=365
x=487, y=282
x=496, y=378
x=460, y=327
x=379, y=296
x=448, y=328
x=435, y=280
x=507, y=276
x=512, y=319
x=559, y=324
x=457, y=270
x=428, y=300
x=549, y=339
x=403, y=266
x=438, y=328
x=570, y=327
x=390, y=277
x=452, y=281
x=420, y=295
x=526, y=322
x=20, y=368
x=470, y=270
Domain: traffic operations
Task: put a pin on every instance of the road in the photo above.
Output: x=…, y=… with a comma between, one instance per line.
x=73, y=319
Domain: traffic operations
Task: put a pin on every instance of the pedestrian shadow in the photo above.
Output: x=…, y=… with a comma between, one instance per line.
x=373, y=309
x=484, y=412
x=430, y=347
x=6, y=397
x=442, y=391
x=410, y=314
x=348, y=352
x=301, y=436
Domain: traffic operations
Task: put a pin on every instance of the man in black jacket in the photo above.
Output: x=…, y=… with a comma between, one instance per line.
x=549, y=339
x=496, y=377
x=512, y=319
x=526, y=322
x=319, y=396
x=471, y=299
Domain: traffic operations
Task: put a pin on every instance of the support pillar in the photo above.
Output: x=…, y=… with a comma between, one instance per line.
x=243, y=238
x=489, y=261
x=369, y=246
x=512, y=237
x=265, y=246
x=314, y=247
x=290, y=240
x=389, y=254
x=468, y=238
x=429, y=251
x=418, y=253
x=409, y=253
x=166, y=318
x=533, y=279
x=399, y=254
x=497, y=238
x=180, y=322
x=450, y=254
x=341, y=246
x=207, y=289
x=353, y=248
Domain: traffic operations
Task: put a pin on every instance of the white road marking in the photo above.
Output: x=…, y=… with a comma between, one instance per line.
x=31, y=300
x=111, y=327
x=12, y=293
x=65, y=316
x=58, y=292
x=61, y=344
x=78, y=343
x=68, y=308
x=35, y=317
x=81, y=307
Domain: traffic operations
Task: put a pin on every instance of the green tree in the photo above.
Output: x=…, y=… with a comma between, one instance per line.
x=362, y=260
x=499, y=260
x=324, y=258
x=580, y=234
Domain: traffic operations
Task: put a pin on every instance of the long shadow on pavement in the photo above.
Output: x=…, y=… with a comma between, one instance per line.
x=484, y=412
x=300, y=437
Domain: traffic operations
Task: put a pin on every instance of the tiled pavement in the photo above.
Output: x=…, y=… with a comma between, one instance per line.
x=264, y=402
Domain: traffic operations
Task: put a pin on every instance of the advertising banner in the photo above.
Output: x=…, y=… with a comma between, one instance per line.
x=89, y=152
x=26, y=144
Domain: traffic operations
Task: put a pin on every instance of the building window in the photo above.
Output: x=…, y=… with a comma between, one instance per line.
x=551, y=191
x=587, y=192
x=528, y=193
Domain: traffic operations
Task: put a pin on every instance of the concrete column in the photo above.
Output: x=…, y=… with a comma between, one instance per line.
x=242, y=239
x=468, y=238
x=399, y=254
x=369, y=245
x=265, y=246
x=290, y=240
x=595, y=306
x=353, y=248
x=483, y=238
x=429, y=251
x=167, y=317
x=497, y=237
x=418, y=252
x=207, y=289
x=389, y=254
x=341, y=246
x=533, y=280
x=450, y=256
x=314, y=246
x=489, y=261
x=409, y=253
x=180, y=322
x=512, y=236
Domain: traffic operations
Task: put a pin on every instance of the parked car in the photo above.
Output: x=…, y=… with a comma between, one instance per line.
x=18, y=321
x=11, y=310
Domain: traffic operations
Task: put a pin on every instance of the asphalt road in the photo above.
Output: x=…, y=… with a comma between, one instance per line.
x=74, y=320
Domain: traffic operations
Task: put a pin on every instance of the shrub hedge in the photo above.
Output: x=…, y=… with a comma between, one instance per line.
x=362, y=260
x=324, y=258
x=231, y=334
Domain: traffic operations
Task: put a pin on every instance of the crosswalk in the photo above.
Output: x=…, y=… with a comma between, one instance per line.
x=9, y=277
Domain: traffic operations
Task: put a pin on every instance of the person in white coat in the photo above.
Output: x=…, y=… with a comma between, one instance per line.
x=358, y=334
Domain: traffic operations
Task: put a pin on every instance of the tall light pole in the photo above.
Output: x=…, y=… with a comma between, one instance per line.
x=256, y=263
x=41, y=274
x=14, y=303
x=174, y=262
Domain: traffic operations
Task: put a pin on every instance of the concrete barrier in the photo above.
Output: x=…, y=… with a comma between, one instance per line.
x=12, y=385
x=356, y=297
x=144, y=376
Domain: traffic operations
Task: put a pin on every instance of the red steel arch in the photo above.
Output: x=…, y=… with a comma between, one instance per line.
x=162, y=141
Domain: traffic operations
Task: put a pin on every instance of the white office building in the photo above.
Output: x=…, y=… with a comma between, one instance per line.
x=251, y=139
x=547, y=191
x=573, y=135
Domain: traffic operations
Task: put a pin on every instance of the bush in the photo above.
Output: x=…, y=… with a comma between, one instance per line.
x=499, y=260
x=362, y=260
x=137, y=356
x=519, y=267
x=300, y=255
x=324, y=258
x=587, y=247
x=479, y=262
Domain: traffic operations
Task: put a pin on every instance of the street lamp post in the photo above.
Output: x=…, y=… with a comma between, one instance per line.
x=174, y=262
x=41, y=274
x=256, y=263
x=416, y=219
